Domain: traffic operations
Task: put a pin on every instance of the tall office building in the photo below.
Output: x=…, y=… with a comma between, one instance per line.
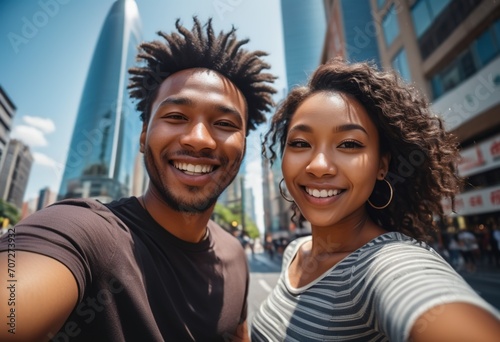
x=15, y=172
x=304, y=26
x=45, y=197
x=351, y=31
x=450, y=49
x=7, y=112
x=105, y=142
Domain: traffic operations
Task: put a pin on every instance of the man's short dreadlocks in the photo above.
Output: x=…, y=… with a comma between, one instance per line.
x=201, y=48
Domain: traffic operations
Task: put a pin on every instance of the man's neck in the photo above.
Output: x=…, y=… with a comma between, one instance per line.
x=190, y=227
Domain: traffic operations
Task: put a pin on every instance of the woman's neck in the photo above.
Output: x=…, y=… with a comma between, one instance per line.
x=345, y=237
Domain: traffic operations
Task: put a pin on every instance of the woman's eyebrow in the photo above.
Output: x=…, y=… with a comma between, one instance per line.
x=350, y=127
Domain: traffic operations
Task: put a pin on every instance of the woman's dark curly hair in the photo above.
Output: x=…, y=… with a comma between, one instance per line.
x=201, y=48
x=422, y=170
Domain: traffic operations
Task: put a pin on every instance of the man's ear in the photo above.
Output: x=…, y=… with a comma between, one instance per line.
x=142, y=139
x=385, y=160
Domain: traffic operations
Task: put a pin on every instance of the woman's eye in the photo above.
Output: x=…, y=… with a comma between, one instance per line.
x=350, y=144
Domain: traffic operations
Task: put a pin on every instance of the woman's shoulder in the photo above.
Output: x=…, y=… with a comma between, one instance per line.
x=395, y=248
x=293, y=247
x=396, y=238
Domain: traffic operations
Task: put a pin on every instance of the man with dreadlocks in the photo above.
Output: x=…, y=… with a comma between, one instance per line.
x=154, y=267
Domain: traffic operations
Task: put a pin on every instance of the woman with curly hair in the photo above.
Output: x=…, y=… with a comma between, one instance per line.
x=367, y=164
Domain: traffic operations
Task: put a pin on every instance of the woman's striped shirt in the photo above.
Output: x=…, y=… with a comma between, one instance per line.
x=374, y=294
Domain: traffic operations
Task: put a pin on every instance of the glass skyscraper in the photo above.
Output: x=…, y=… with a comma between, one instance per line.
x=304, y=26
x=105, y=141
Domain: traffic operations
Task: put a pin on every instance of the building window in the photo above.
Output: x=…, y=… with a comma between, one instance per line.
x=437, y=6
x=421, y=17
x=496, y=28
x=424, y=12
x=475, y=57
x=451, y=77
x=400, y=64
x=437, y=87
x=485, y=47
x=390, y=26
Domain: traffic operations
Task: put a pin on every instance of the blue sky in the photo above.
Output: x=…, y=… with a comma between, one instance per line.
x=45, y=52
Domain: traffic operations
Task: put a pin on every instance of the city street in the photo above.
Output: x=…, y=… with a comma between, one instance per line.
x=264, y=274
x=486, y=282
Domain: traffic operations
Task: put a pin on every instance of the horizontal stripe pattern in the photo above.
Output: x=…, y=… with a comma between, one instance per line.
x=374, y=294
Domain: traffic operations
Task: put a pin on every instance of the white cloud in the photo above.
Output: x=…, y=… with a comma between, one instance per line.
x=31, y=136
x=43, y=124
x=45, y=160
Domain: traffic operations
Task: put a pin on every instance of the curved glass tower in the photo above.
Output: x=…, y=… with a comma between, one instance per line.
x=304, y=27
x=105, y=140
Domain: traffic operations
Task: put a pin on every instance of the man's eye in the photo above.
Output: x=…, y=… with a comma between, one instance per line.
x=298, y=143
x=175, y=116
x=225, y=124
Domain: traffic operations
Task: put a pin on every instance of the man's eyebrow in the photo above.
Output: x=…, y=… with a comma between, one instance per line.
x=301, y=128
x=228, y=110
x=175, y=100
x=189, y=102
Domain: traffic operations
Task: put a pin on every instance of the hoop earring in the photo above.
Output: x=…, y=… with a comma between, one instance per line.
x=282, y=193
x=388, y=202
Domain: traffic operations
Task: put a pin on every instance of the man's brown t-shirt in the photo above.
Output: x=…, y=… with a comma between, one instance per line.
x=136, y=281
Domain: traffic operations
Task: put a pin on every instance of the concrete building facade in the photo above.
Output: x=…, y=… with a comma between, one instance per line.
x=15, y=172
x=450, y=49
x=7, y=112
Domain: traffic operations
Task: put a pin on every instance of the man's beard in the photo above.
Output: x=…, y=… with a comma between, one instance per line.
x=194, y=206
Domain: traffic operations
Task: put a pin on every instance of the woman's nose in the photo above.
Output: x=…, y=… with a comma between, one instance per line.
x=321, y=165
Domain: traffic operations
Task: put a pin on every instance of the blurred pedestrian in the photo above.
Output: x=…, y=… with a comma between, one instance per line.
x=454, y=250
x=469, y=248
x=496, y=244
x=269, y=246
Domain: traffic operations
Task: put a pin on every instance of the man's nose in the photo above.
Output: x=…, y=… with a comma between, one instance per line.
x=199, y=137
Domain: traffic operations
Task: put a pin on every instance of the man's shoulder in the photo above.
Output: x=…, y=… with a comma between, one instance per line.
x=77, y=203
x=219, y=232
x=74, y=215
x=224, y=241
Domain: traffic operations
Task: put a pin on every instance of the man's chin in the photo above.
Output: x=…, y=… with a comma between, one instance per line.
x=198, y=207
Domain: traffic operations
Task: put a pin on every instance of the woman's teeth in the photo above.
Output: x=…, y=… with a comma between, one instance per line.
x=323, y=193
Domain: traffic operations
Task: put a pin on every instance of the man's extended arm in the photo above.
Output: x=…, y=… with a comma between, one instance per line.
x=37, y=294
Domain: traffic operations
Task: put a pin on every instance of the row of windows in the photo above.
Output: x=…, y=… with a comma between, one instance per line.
x=424, y=12
x=483, y=180
x=476, y=56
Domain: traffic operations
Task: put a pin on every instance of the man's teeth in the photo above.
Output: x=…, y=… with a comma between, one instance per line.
x=192, y=169
x=323, y=193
